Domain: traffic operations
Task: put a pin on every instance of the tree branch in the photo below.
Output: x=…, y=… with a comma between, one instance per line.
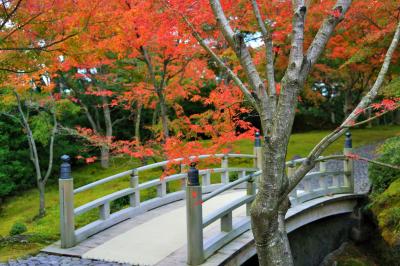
x=359, y=158
x=371, y=118
x=267, y=38
x=221, y=63
x=9, y=15
x=309, y=163
x=323, y=35
x=236, y=42
x=51, y=146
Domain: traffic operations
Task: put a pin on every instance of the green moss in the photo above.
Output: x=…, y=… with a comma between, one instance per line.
x=24, y=207
x=386, y=207
x=353, y=255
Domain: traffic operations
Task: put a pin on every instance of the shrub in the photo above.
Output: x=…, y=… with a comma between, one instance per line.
x=17, y=229
x=382, y=177
x=393, y=218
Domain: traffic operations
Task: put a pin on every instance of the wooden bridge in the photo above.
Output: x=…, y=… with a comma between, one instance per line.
x=204, y=220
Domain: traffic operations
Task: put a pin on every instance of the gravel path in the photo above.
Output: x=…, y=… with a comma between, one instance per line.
x=361, y=185
x=51, y=260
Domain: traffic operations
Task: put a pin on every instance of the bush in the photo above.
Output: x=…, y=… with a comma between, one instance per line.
x=382, y=177
x=17, y=229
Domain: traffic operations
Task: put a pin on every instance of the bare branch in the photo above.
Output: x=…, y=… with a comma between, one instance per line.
x=357, y=157
x=39, y=48
x=323, y=35
x=267, y=38
x=236, y=42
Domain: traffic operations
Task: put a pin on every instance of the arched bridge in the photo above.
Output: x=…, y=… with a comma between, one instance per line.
x=200, y=219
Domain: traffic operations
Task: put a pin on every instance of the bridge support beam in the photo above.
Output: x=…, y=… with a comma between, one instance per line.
x=194, y=218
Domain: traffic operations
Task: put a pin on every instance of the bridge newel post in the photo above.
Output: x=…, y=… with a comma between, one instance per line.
x=348, y=163
x=257, y=151
x=194, y=218
x=66, y=190
x=290, y=172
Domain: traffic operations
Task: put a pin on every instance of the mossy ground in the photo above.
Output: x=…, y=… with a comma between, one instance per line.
x=23, y=207
x=386, y=208
x=354, y=256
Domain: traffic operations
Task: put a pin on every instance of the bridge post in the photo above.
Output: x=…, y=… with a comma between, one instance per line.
x=257, y=151
x=225, y=173
x=251, y=190
x=290, y=172
x=66, y=190
x=134, y=199
x=323, y=182
x=183, y=180
x=194, y=218
x=348, y=163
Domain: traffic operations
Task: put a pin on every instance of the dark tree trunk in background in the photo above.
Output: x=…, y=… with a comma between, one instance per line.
x=137, y=121
x=164, y=115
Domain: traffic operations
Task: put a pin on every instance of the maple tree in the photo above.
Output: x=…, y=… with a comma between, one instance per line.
x=36, y=113
x=276, y=108
x=227, y=58
x=31, y=34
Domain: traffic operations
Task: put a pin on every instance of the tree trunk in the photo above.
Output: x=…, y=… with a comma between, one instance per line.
x=397, y=117
x=137, y=122
x=42, y=208
x=348, y=102
x=164, y=117
x=105, y=150
x=268, y=215
x=369, y=125
x=333, y=117
x=105, y=156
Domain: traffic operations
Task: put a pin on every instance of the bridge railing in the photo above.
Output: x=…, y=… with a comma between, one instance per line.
x=70, y=235
x=315, y=184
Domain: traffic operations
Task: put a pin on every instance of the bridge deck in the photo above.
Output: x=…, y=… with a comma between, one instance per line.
x=148, y=238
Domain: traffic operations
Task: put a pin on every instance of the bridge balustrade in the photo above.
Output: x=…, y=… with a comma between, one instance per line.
x=317, y=183
x=70, y=235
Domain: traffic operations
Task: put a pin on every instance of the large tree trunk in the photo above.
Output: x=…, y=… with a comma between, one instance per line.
x=42, y=207
x=267, y=215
